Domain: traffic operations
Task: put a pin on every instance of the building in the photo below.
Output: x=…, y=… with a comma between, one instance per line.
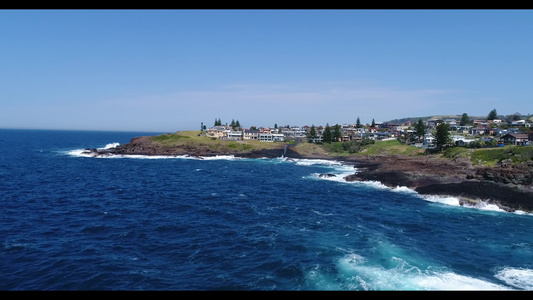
x=250, y=134
x=515, y=139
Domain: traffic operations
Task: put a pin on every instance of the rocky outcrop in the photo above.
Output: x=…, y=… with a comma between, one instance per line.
x=508, y=186
x=144, y=145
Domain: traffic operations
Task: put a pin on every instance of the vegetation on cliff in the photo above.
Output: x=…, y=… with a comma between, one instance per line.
x=193, y=139
x=488, y=157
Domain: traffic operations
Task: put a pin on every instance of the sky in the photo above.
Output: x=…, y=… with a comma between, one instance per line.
x=176, y=69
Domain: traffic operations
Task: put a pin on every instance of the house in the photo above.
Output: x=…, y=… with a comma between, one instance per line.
x=234, y=135
x=461, y=140
x=271, y=137
x=376, y=136
x=518, y=123
x=429, y=142
x=217, y=132
x=464, y=129
x=355, y=137
x=479, y=130
x=500, y=131
x=249, y=134
x=515, y=139
x=433, y=123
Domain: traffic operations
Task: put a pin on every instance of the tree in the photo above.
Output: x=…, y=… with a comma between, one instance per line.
x=420, y=129
x=464, y=120
x=337, y=135
x=237, y=124
x=492, y=115
x=327, y=136
x=373, y=123
x=312, y=133
x=358, y=123
x=442, y=136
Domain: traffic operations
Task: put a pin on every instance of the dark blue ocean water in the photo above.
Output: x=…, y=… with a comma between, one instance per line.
x=72, y=222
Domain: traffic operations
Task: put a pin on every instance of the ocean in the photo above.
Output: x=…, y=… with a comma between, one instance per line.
x=71, y=222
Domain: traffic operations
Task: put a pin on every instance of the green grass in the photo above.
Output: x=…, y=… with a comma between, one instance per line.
x=194, y=138
x=492, y=156
x=170, y=139
x=392, y=147
x=310, y=149
x=482, y=156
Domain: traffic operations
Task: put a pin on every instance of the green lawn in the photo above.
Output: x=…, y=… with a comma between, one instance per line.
x=482, y=156
x=181, y=138
x=492, y=156
x=391, y=147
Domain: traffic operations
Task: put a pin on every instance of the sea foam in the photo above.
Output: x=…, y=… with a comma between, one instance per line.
x=359, y=273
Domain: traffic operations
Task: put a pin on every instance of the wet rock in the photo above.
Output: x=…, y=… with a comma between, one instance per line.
x=326, y=175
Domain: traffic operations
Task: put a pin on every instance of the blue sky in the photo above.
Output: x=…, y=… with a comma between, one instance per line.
x=170, y=70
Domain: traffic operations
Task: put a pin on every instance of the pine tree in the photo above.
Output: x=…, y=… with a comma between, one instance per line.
x=492, y=115
x=420, y=129
x=442, y=136
x=358, y=123
x=464, y=120
x=312, y=133
x=337, y=135
x=327, y=136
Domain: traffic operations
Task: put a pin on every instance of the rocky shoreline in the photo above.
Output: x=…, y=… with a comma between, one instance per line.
x=509, y=186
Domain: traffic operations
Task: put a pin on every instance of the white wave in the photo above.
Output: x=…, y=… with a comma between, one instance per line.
x=111, y=145
x=310, y=162
x=521, y=212
x=517, y=277
x=360, y=275
x=454, y=201
x=84, y=153
x=404, y=189
x=77, y=152
x=487, y=206
x=219, y=157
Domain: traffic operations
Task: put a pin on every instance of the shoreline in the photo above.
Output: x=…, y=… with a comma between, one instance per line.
x=426, y=175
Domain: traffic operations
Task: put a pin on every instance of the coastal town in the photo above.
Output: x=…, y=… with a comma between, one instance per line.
x=462, y=131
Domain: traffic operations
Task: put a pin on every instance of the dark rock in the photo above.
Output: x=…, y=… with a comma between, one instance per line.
x=326, y=175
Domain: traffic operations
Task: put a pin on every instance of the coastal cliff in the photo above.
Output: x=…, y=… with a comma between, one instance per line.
x=510, y=186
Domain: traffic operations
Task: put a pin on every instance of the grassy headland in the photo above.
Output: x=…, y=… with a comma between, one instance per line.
x=484, y=156
x=194, y=139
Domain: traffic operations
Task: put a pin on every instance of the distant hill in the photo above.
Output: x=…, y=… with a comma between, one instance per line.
x=436, y=117
x=456, y=117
